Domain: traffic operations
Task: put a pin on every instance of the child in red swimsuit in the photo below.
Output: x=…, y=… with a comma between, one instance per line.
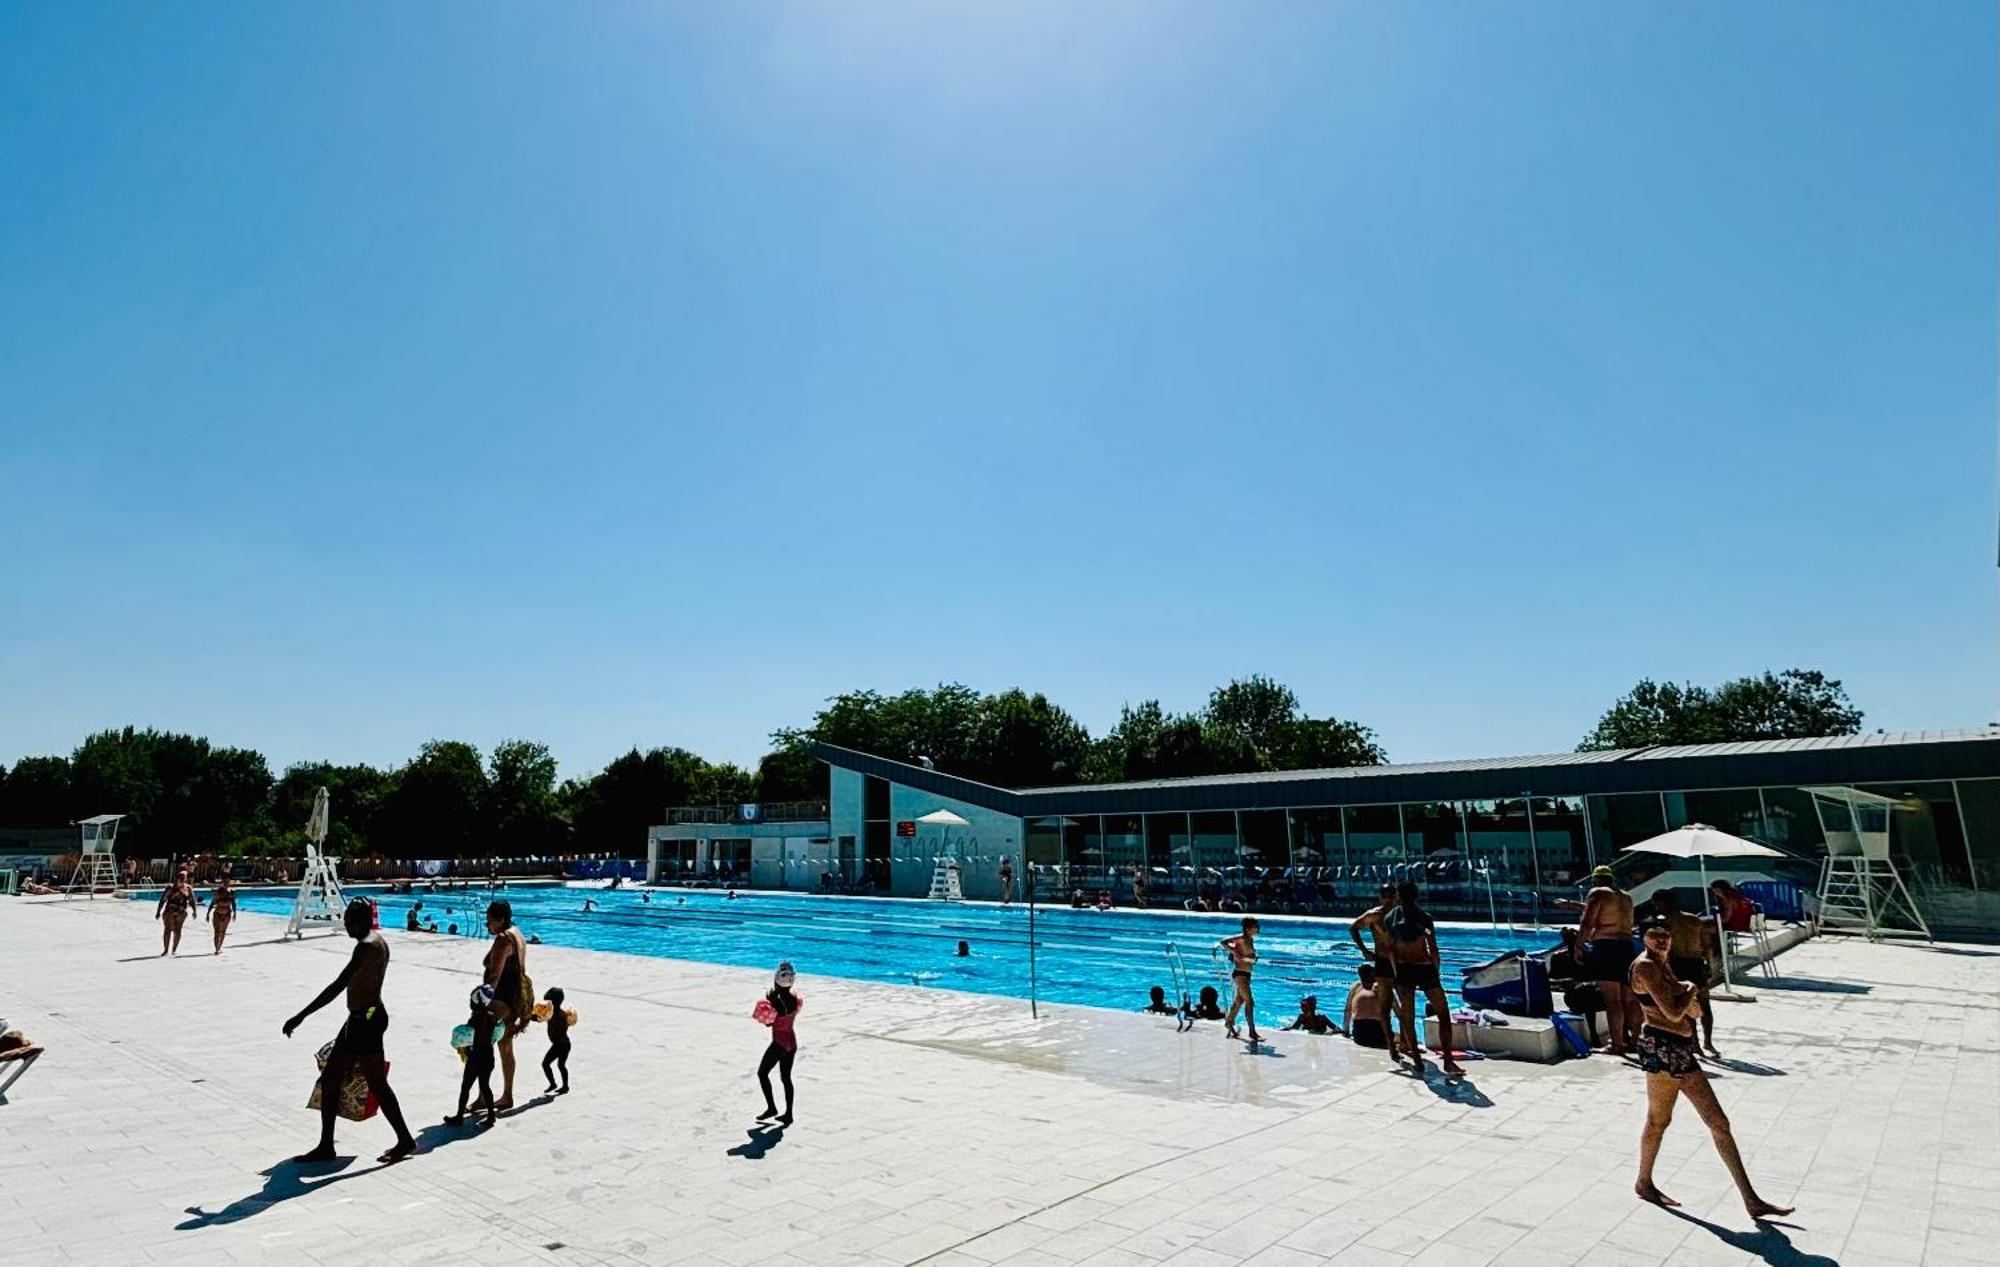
x=778, y=1009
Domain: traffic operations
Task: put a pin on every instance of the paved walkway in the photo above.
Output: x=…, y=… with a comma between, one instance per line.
x=948, y=1128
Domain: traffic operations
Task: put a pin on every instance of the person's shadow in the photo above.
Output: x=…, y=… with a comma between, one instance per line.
x=1768, y=1242
x=1735, y=1065
x=1456, y=1090
x=762, y=1140
x=282, y=1182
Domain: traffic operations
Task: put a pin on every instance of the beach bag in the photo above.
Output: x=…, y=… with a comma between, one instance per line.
x=357, y=1102
x=764, y=1013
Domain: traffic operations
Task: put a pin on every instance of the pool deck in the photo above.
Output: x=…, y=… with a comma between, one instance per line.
x=950, y=1128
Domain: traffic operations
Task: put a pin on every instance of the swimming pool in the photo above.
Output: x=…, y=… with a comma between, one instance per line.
x=1099, y=958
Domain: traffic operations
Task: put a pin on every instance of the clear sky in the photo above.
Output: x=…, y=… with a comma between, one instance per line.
x=646, y=373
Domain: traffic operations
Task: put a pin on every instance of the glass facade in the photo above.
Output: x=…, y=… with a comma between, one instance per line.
x=1167, y=844
x=1123, y=847
x=1979, y=814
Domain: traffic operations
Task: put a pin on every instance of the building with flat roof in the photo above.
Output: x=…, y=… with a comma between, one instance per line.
x=1523, y=830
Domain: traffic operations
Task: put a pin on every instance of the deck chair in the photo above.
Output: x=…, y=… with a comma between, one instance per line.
x=15, y=1064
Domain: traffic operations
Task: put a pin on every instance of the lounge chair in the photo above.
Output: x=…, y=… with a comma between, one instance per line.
x=14, y=1063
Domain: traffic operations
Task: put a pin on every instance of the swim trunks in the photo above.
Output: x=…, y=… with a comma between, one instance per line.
x=361, y=1037
x=1610, y=958
x=1417, y=976
x=1661, y=1051
x=1370, y=1034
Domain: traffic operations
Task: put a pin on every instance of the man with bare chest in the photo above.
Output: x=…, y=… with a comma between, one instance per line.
x=359, y=1043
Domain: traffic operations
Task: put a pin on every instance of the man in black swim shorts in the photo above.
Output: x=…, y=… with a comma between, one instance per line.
x=359, y=1043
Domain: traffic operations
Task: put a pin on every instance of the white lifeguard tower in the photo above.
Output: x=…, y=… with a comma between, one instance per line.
x=319, y=899
x=947, y=883
x=1860, y=889
x=96, y=856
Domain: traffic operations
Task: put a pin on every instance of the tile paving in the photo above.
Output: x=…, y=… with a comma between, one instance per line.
x=952, y=1129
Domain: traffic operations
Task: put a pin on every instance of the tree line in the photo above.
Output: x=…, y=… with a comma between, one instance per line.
x=183, y=794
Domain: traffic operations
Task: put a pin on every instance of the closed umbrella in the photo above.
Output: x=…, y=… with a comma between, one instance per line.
x=1702, y=842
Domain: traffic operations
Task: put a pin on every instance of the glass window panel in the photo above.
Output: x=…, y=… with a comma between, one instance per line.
x=1562, y=845
x=1079, y=837
x=1432, y=831
x=1790, y=823
x=1624, y=819
x=1167, y=843
x=1264, y=831
x=1738, y=811
x=1042, y=840
x=1123, y=846
x=1979, y=810
x=1374, y=844
x=1214, y=845
x=1925, y=831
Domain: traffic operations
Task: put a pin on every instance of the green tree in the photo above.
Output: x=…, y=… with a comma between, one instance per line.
x=354, y=795
x=611, y=810
x=789, y=773
x=437, y=808
x=1022, y=740
x=228, y=798
x=1794, y=704
x=524, y=810
x=1324, y=743
x=37, y=794
x=1255, y=709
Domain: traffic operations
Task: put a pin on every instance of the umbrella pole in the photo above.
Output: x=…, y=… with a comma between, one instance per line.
x=1033, y=1010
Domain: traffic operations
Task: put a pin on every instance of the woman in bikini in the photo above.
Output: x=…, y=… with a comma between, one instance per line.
x=513, y=991
x=1668, y=1008
x=172, y=910
x=1242, y=950
x=221, y=910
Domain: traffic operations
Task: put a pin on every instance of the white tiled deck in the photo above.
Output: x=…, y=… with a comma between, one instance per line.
x=950, y=1128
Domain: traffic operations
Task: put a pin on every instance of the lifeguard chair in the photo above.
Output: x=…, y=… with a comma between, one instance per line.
x=947, y=883
x=96, y=857
x=1860, y=888
x=319, y=899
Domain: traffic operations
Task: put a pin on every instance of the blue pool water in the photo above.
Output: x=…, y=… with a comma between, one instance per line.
x=1100, y=958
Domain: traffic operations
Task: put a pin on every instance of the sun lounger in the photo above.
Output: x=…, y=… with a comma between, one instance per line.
x=14, y=1064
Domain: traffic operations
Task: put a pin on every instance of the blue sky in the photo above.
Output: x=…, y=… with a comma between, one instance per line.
x=648, y=373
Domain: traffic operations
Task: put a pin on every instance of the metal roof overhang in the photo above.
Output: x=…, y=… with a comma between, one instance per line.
x=1849, y=760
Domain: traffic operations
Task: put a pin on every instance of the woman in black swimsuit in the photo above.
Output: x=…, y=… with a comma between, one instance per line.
x=1242, y=959
x=513, y=990
x=1667, y=1054
x=221, y=910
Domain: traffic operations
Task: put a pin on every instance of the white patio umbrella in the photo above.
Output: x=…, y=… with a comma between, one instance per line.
x=1702, y=842
x=944, y=820
x=321, y=819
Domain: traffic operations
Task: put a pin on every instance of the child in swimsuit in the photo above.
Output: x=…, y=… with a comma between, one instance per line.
x=779, y=1009
x=478, y=1057
x=558, y=1055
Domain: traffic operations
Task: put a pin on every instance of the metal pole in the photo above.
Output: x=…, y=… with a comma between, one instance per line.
x=1034, y=1010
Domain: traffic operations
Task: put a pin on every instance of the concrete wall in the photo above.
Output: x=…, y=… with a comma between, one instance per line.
x=844, y=805
x=980, y=847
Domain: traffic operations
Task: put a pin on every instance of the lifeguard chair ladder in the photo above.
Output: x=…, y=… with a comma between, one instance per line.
x=96, y=857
